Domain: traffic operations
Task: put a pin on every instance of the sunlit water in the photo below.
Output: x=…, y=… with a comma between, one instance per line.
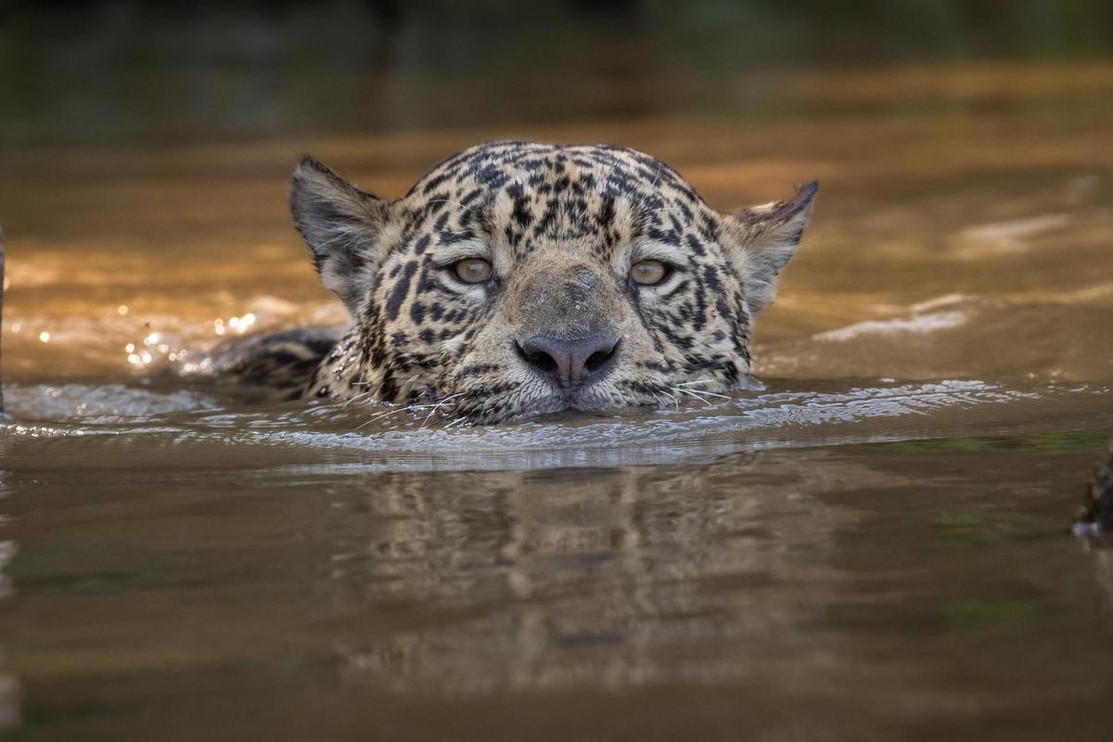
x=872, y=546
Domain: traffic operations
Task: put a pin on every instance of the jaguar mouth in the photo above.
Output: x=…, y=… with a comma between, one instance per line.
x=481, y=404
x=579, y=399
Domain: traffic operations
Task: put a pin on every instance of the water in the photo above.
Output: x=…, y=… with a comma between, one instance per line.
x=872, y=546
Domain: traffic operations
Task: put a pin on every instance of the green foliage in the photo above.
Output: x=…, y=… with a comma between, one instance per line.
x=971, y=529
x=1065, y=441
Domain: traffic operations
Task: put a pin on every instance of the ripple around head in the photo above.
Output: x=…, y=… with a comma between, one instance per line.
x=80, y=418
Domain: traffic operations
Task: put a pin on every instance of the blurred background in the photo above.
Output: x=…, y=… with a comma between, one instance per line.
x=125, y=71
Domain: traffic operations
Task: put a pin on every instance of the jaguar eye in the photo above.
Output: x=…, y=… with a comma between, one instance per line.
x=649, y=272
x=473, y=270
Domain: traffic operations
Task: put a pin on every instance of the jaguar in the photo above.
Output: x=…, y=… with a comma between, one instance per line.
x=517, y=279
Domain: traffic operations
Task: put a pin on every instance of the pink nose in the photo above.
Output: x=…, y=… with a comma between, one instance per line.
x=570, y=363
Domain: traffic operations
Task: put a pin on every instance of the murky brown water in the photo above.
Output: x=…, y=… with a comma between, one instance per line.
x=873, y=547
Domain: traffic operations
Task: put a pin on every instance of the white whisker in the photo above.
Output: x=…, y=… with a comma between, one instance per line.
x=379, y=416
x=438, y=405
x=359, y=397
x=458, y=421
x=692, y=394
x=675, y=401
x=701, y=393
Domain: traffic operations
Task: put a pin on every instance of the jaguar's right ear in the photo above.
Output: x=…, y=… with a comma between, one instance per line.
x=343, y=226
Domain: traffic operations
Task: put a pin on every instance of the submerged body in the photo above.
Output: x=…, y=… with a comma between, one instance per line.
x=519, y=278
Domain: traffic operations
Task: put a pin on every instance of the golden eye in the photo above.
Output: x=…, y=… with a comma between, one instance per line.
x=649, y=272
x=473, y=270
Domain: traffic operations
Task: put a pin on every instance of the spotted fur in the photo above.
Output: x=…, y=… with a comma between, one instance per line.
x=561, y=226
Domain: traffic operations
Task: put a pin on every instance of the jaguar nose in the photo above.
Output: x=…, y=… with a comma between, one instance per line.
x=570, y=363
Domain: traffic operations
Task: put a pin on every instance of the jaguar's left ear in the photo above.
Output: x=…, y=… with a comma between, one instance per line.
x=762, y=239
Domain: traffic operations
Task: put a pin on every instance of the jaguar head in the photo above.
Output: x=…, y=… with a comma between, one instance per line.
x=519, y=278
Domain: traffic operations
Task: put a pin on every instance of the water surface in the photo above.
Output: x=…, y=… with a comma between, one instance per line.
x=872, y=546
